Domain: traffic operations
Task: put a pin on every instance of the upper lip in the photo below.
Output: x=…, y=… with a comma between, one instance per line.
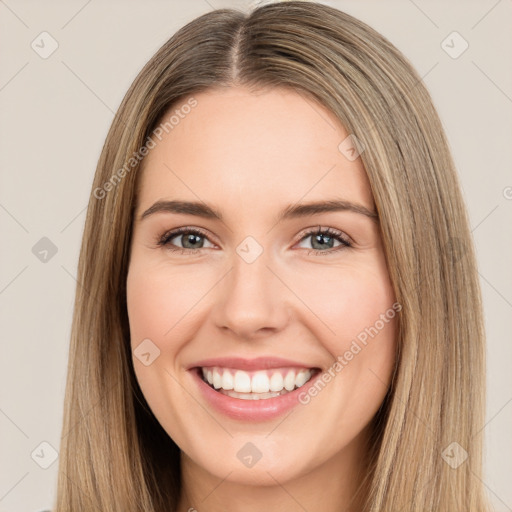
x=258, y=363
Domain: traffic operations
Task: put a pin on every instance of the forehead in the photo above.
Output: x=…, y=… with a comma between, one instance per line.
x=251, y=151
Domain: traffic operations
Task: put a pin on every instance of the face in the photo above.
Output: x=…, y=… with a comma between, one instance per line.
x=287, y=310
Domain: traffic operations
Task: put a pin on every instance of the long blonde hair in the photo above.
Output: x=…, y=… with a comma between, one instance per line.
x=114, y=455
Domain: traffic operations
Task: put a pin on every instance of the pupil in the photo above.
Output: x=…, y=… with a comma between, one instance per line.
x=191, y=239
x=318, y=239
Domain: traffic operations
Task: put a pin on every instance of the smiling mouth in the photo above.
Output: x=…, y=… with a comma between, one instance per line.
x=256, y=385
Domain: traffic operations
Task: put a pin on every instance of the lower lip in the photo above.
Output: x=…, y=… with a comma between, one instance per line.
x=251, y=410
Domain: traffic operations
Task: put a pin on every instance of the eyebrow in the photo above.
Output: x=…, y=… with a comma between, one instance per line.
x=292, y=211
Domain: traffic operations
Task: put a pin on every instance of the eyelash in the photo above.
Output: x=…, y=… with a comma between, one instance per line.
x=163, y=241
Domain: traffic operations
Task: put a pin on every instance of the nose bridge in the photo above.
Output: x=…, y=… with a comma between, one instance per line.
x=252, y=298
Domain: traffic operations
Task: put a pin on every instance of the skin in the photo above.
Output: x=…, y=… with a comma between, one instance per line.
x=250, y=154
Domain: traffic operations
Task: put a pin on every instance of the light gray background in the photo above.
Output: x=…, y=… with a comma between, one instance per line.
x=55, y=113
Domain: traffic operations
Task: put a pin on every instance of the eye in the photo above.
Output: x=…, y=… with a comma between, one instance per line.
x=192, y=239
x=324, y=240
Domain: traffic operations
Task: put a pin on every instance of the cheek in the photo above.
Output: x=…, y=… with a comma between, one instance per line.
x=160, y=306
x=358, y=328
x=349, y=303
x=160, y=300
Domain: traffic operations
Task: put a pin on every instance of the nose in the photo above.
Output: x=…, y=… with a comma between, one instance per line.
x=252, y=301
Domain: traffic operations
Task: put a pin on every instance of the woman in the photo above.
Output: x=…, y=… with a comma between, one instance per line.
x=216, y=362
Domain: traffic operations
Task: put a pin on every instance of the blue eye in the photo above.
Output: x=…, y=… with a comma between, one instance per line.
x=324, y=239
x=192, y=240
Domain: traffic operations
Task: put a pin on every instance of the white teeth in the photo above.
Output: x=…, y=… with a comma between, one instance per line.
x=260, y=384
x=276, y=382
x=227, y=381
x=302, y=377
x=252, y=396
x=289, y=381
x=217, y=380
x=242, y=382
